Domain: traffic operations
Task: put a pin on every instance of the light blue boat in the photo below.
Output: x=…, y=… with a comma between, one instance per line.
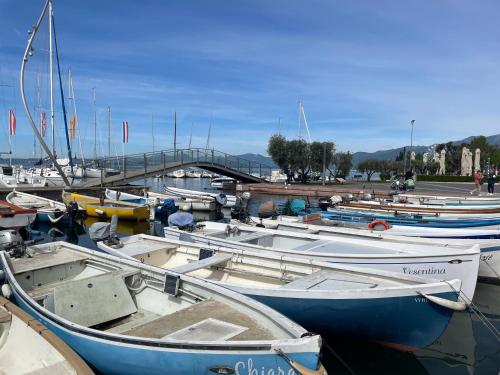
x=124, y=317
x=416, y=220
x=397, y=310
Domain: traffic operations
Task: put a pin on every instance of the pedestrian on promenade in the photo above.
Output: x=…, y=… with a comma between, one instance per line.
x=478, y=177
x=492, y=178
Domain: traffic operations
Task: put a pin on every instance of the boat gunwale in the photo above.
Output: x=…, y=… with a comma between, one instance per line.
x=292, y=329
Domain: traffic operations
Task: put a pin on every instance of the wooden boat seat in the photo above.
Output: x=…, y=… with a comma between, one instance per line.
x=204, y=263
x=327, y=280
x=46, y=259
x=249, y=237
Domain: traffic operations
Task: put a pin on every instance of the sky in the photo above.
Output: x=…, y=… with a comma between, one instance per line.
x=362, y=69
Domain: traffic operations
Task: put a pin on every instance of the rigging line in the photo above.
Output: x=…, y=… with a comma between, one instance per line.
x=68, y=144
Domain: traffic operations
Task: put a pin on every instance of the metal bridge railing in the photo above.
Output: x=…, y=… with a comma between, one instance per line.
x=157, y=160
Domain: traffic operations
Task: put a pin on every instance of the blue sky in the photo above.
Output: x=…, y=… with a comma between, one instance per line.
x=363, y=70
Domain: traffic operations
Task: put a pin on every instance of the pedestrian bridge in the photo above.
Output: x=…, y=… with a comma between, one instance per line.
x=119, y=170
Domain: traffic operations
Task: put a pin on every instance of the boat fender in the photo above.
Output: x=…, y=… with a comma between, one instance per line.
x=378, y=225
x=443, y=302
x=300, y=368
x=6, y=291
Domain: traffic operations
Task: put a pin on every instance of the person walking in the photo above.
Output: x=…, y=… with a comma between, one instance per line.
x=492, y=178
x=477, y=182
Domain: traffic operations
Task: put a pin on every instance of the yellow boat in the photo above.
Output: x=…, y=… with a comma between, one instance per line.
x=105, y=208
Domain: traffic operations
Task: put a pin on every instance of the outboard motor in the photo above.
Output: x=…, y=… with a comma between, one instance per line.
x=182, y=221
x=221, y=199
x=106, y=232
x=73, y=211
x=239, y=210
x=167, y=208
x=324, y=203
x=297, y=205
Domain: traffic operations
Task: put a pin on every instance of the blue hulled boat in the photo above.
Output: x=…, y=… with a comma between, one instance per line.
x=124, y=317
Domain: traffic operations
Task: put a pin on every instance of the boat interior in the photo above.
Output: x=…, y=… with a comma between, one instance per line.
x=117, y=298
x=248, y=270
x=300, y=243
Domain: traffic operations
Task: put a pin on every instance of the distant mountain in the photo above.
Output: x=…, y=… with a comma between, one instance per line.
x=258, y=158
x=392, y=153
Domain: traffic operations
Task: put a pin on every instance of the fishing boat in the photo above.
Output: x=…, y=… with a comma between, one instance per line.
x=223, y=182
x=123, y=317
x=327, y=299
x=408, y=259
x=47, y=353
x=488, y=240
x=12, y=216
x=414, y=220
x=448, y=200
x=47, y=210
x=105, y=208
x=230, y=200
x=403, y=207
x=156, y=200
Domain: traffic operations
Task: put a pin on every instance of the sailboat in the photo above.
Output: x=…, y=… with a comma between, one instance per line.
x=56, y=175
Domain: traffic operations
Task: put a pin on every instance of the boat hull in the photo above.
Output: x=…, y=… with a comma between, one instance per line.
x=396, y=321
x=135, y=359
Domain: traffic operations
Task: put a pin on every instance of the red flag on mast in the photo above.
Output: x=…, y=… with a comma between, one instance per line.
x=72, y=127
x=44, y=124
x=12, y=122
x=125, y=131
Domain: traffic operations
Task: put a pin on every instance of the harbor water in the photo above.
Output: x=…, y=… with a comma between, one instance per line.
x=466, y=347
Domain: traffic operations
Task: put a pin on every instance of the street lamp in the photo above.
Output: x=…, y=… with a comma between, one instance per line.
x=411, y=139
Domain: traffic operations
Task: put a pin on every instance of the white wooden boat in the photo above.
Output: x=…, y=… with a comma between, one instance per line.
x=195, y=194
x=488, y=240
x=192, y=173
x=325, y=298
x=28, y=347
x=12, y=216
x=449, y=200
x=409, y=259
x=47, y=210
x=428, y=208
x=12, y=177
x=124, y=317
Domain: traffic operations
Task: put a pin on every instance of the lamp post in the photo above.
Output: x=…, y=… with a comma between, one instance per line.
x=411, y=140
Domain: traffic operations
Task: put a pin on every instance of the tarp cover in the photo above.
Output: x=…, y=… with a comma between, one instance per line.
x=181, y=220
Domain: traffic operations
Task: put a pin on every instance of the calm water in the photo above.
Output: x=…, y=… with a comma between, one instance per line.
x=466, y=347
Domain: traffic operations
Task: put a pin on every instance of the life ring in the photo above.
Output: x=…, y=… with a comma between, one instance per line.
x=375, y=224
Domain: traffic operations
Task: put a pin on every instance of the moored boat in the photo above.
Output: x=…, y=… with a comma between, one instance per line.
x=47, y=210
x=398, y=310
x=106, y=208
x=230, y=200
x=147, y=320
x=47, y=354
x=409, y=259
x=12, y=216
x=488, y=240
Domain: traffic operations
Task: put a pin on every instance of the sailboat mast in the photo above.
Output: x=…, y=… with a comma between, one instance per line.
x=109, y=132
x=209, y=132
x=95, y=124
x=191, y=135
x=51, y=74
x=153, y=132
x=175, y=134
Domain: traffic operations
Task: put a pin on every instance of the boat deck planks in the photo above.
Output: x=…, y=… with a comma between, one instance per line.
x=209, y=308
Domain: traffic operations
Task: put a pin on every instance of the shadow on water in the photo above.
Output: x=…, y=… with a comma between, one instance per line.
x=466, y=346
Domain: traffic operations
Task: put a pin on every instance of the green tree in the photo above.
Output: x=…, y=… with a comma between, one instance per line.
x=317, y=150
x=342, y=163
x=369, y=166
x=277, y=149
x=299, y=157
x=385, y=167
